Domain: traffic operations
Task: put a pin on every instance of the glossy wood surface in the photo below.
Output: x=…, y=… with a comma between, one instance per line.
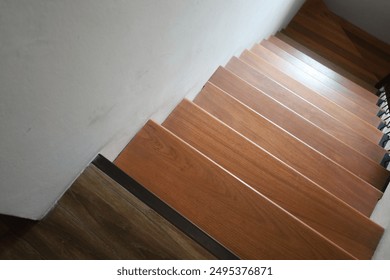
x=309, y=40
x=97, y=219
x=314, y=21
x=260, y=101
x=283, y=145
x=366, y=113
x=240, y=218
x=369, y=149
x=364, y=99
x=366, y=50
x=372, y=49
x=283, y=36
x=323, y=212
x=322, y=119
x=324, y=69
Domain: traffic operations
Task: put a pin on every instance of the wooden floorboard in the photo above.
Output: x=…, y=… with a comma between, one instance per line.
x=239, y=217
x=283, y=145
x=98, y=219
x=283, y=185
x=365, y=147
x=339, y=152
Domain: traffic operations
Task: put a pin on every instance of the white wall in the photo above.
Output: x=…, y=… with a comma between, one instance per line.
x=79, y=77
x=370, y=15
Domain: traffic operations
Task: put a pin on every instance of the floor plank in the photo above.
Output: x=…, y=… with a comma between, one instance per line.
x=98, y=219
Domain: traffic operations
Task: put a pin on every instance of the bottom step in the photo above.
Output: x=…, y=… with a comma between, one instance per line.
x=239, y=217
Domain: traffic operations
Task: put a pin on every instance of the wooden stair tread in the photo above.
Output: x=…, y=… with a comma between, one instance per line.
x=350, y=42
x=309, y=40
x=284, y=186
x=284, y=146
x=366, y=112
x=367, y=148
x=357, y=140
x=323, y=69
x=338, y=47
x=344, y=155
x=341, y=71
x=236, y=215
x=368, y=117
x=360, y=99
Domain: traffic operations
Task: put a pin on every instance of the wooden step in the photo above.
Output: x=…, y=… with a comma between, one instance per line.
x=348, y=42
x=323, y=212
x=341, y=71
x=345, y=133
x=283, y=145
x=369, y=149
x=260, y=101
x=366, y=112
x=332, y=35
x=311, y=41
x=323, y=69
x=372, y=49
x=328, y=34
x=239, y=217
x=363, y=99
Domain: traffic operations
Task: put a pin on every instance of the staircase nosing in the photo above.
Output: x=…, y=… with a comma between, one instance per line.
x=163, y=209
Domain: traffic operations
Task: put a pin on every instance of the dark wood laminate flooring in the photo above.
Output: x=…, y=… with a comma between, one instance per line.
x=97, y=219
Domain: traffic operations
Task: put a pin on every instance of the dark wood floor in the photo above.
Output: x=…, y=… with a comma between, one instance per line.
x=97, y=219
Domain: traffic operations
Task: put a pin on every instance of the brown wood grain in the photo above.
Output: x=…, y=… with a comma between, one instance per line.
x=236, y=215
x=323, y=69
x=298, y=33
x=369, y=149
x=283, y=145
x=363, y=99
x=284, y=37
x=323, y=212
x=131, y=228
x=322, y=28
x=366, y=113
x=255, y=91
x=12, y=245
x=326, y=24
x=98, y=219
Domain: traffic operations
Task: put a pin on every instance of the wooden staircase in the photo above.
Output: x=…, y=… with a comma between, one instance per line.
x=279, y=156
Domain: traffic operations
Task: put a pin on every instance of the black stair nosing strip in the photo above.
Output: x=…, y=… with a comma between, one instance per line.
x=163, y=209
x=381, y=126
x=384, y=140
